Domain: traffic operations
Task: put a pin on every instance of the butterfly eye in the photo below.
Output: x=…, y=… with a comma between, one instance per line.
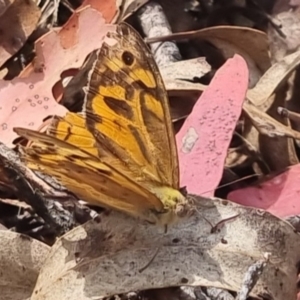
x=128, y=58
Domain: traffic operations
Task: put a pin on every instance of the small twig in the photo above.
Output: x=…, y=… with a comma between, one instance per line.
x=67, y=4
x=251, y=278
x=154, y=24
x=55, y=12
x=218, y=294
x=293, y=116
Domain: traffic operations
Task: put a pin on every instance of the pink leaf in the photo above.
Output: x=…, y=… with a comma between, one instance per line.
x=205, y=136
x=279, y=195
x=26, y=102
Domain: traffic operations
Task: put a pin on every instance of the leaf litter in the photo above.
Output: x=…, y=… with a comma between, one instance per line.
x=233, y=143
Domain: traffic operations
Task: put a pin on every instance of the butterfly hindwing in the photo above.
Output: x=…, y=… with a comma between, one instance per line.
x=72, y=129
x=87, y=177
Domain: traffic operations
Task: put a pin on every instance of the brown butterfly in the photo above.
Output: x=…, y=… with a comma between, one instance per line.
x=120, y=152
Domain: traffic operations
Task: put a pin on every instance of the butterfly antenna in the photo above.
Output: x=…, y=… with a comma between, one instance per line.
x=150, y=261
x=166, y=228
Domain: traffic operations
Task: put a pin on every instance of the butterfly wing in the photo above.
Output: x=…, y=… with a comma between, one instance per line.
x=72, y=129
x=121, y=152
x=127, y=111
x=86, y=176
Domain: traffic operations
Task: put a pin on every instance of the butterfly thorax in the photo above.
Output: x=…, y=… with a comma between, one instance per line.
x=176, y=205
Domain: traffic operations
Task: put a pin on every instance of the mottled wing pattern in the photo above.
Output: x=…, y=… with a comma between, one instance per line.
x=84, y=174
x=127, y=111
x=72, y=129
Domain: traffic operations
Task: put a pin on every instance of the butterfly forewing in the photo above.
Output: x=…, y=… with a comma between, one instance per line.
x=127, y=110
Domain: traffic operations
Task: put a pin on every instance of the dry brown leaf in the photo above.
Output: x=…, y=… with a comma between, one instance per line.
x=16, y=24
x=271, y=140
x=237, y=156
x=177, y=76
x=273, y=78
x=20, y=262
x=251, y=44
x=241, y=41
x=270, y=135
x=121, y=254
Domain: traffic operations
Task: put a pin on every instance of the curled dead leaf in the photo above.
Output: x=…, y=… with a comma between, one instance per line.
x=267, y=125
x=273, y=78
x=16, y=24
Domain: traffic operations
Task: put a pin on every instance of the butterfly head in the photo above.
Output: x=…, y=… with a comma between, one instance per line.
x=176, y=205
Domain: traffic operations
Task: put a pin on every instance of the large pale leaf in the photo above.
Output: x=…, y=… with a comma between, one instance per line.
x=20, y=261
x=215, y=246
x=18, y=20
